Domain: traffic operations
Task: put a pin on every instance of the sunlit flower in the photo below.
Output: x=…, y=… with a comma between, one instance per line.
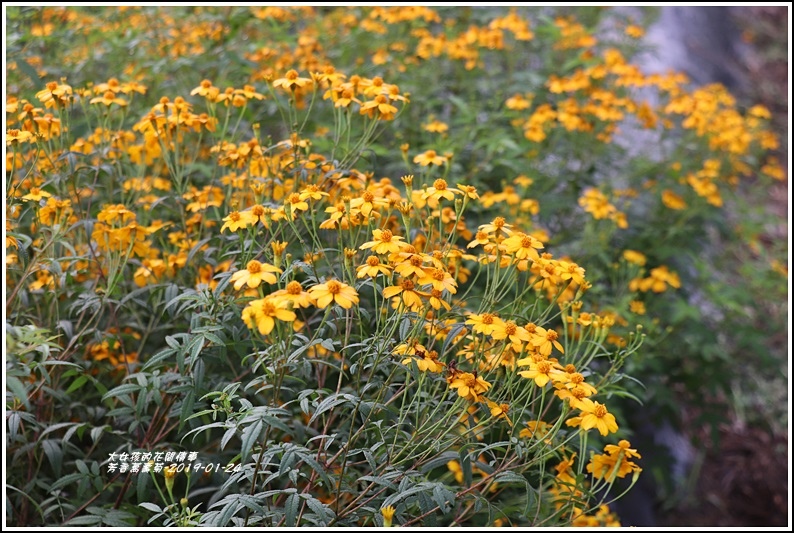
x=254, y=274
x=594, y=415
x=237, y=220
x=264, y=312
x=485, y=323
x=384, y=242
x=543, y=372
x=372, y=267
x=406, y=289
x=523, y=246
x=334, y=291
x=295, y=294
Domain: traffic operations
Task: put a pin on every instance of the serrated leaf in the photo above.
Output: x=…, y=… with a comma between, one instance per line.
x=291, y=510
x=249, y=437
x=328, y=404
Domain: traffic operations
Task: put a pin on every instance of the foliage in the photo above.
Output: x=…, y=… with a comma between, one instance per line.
x=355, y=266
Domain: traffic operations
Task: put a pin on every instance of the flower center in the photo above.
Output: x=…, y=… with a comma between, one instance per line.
x=294, y=288
x=511, y=328
x=430, y=154
x=368, y=196
x=258, y=210
x=499, y=222
x=334, y=287
x=373, y=261
x=440, y=185
x=526, y=242
x=292, y=75
x=487, y=318
x=386, y=235
x=234, y=216
x=254, y=266
x=544, y=367
x=407, y=285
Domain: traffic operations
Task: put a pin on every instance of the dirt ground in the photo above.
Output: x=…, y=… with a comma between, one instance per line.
x=744, y=482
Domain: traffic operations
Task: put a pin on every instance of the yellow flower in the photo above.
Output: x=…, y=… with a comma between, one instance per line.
x=384, y=242
x=544, y=339
x=17, y=136
x=334, y=291
x=635, y=257
x=543, y=372
x=206, y=89
x=435, y=126
x=440, y=278
x=291, y=81
x=594, y=415
x=430, y=157
x=379, y=105
x=498, y=225
x=468, y=385
x=169, y=472
x=264, y=312
x=439, y=190
x=509, y=329
x=523, y=246
x=426, y=361
x=406, y=288
x=388, y=514
x=236, y=220
x=254, y=274
x=499, y=410
x=372, y=267
x=35, y=194
x=109, y=98
x=535, y=428
x=672, y=201
x=485, y=323
x=294, y=293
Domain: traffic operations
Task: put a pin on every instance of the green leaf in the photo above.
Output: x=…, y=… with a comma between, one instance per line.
x=291, y=510
x=328, y=404
x=249, y=437
x=18, y=390
x=52, y=449
x=76, y=384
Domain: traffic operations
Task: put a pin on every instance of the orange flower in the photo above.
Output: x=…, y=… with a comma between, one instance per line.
x=291, y=81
